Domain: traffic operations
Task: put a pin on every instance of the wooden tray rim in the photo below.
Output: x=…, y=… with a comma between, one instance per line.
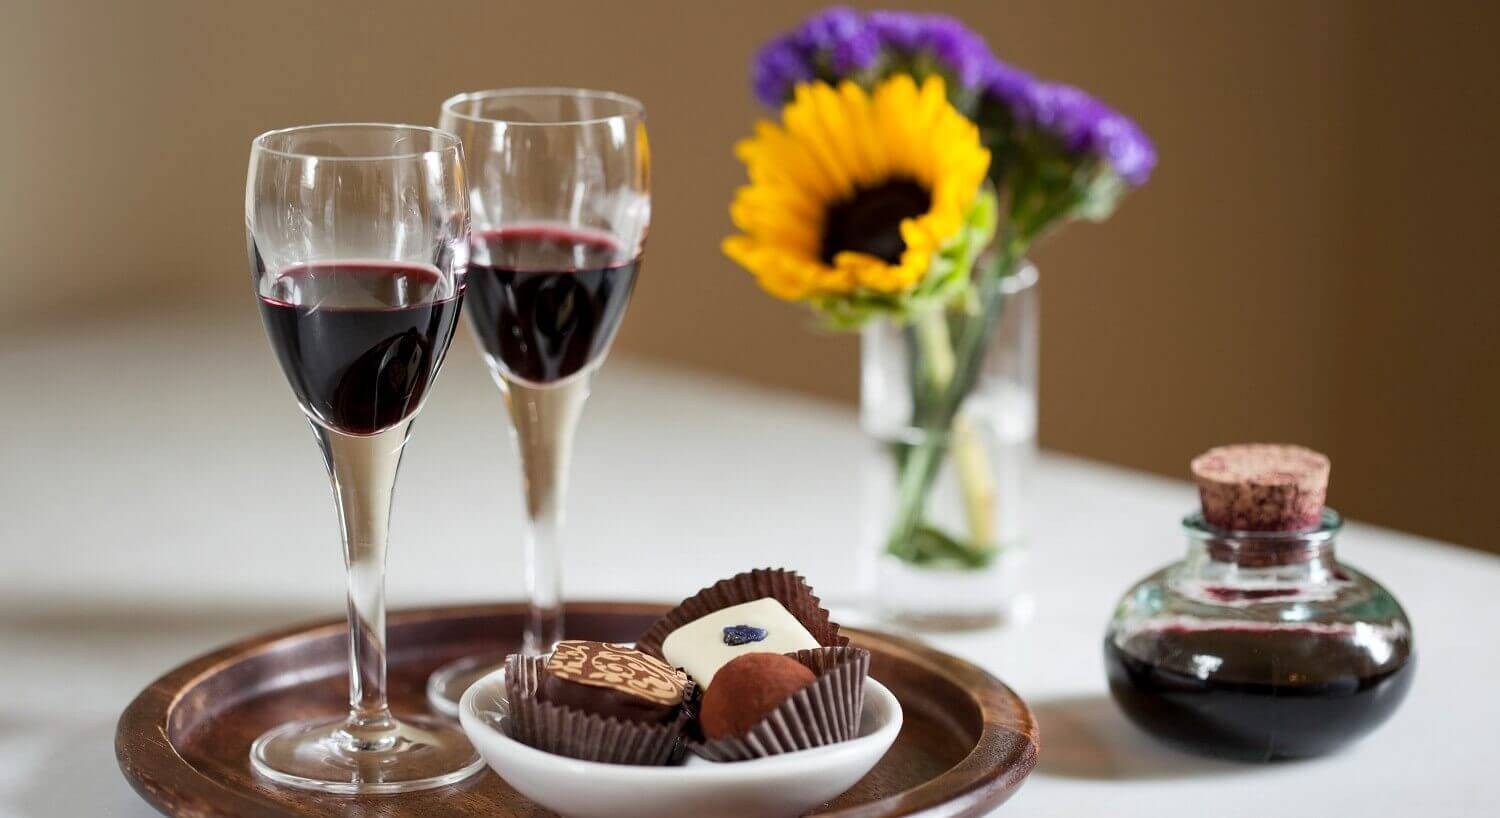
x=982, y=780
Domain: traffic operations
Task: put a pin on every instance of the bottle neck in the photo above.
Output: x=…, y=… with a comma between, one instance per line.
x=1269, y=556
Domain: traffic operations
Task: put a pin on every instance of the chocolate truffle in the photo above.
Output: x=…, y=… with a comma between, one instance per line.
x=763, y=625
x=1262, y=487
x=613, y=681
x=747, y=689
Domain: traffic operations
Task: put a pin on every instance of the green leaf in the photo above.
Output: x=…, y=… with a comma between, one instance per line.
x=934, y=548
x=1101, y=194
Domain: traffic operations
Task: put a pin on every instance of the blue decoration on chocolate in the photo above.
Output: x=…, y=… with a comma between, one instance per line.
x=743, y=635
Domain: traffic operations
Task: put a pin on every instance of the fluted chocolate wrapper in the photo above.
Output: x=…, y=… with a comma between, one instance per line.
x=566, y=731
x=825, y=712
x=786, y=587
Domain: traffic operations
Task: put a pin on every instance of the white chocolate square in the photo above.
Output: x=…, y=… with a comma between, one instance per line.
x=698, y=647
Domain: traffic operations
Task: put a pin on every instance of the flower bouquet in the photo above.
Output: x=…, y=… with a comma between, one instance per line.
x=909, y=174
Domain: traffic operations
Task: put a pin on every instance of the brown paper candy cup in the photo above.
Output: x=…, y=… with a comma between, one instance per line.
x=786, y=587
x=566, y=731
x=825, y=712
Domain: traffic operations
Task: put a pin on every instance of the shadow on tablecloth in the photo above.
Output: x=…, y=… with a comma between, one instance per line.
x=1087, y=737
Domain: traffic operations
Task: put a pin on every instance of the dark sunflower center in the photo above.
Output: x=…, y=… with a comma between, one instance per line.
x=870, y=220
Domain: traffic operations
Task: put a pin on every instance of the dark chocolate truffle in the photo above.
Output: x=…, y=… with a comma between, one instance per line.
x=747, y=689
x=613, y=681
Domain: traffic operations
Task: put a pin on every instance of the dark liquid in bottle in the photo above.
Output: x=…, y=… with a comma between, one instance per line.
x=1258, y=694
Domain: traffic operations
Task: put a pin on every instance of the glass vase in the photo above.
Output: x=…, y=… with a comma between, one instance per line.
x=944, y=500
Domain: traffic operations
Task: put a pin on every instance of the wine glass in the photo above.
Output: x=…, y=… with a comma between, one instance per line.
x=561, y=204
x=358, y=241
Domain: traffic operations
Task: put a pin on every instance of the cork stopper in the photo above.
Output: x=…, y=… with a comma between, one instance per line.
x=1262, y=486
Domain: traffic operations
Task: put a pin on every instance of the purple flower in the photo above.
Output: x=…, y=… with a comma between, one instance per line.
x=1011, y=87
x=1125, y=147
x=1085, y=125
x=898, y=29
x=1064, y=111
x=841, y=34
x=953, y=44
x=779, y=66
x=948, y=41
x=839, y=43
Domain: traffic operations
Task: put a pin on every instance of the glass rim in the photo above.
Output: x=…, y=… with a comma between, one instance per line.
x=634, y=108
x=1024, y=278
x=453, y=143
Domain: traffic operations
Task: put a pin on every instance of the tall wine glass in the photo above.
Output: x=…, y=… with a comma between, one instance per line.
x=358, y=240
x=561, y=202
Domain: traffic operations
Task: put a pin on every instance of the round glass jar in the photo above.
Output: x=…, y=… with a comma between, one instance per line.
x=1259, y=646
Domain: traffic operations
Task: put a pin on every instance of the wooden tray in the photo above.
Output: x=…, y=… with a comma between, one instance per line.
x=968, y=741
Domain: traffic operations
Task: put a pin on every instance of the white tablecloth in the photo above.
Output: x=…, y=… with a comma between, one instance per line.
x=160, y=495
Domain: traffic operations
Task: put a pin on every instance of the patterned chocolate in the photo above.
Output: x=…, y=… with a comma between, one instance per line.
x=612, y=681
x=704, y=645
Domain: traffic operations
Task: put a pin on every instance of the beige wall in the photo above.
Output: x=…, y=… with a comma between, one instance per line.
x=1315, y=260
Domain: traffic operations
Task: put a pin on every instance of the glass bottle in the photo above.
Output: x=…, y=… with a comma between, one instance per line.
x=1259, y=645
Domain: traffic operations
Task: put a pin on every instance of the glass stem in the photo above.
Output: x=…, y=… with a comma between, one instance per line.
x=545, y=418
x=363, y=472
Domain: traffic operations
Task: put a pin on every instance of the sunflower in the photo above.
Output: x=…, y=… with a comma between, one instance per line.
x=854, y=193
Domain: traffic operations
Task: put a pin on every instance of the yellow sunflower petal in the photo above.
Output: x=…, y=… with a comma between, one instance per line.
x=831, y=145
x=774, y=272
x=801, y=121
x=867, y=142
x=774, y=225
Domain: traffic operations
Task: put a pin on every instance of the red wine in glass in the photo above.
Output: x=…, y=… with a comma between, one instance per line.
x=360, y=342
x=546, y=300
x=1257, y=693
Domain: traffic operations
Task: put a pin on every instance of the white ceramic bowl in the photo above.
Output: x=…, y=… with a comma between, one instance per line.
x=775, y=787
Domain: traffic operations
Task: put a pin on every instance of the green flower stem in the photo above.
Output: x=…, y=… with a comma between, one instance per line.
x=965, y=447
x=936, y=347
x=920, y=460
x=918, y=463
x=936, y=405
x=976, y=484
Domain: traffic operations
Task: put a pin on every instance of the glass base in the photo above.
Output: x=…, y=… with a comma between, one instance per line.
x=447, y=684
x=942, y=623
x=421, y=753
x=919, y=598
